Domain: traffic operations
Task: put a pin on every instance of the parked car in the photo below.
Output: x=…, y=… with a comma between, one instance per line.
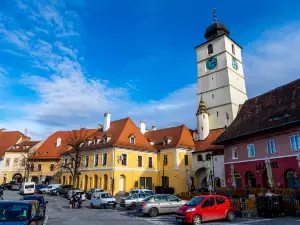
x=27, y=188
x=77, y=191
x=49, y=188
x=39, y=186
x=2, y=187
x=7, y=186
x=16, y=187
x=55, y=191
x=160, y=204
x=20, y=212
x=142, y=191
x=103, y=200
x=132, y=201
x=40, y=199
x=65, y=189
x=205, y=208
x=93, y=191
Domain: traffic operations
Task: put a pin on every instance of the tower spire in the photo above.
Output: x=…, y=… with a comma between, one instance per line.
x=202, y=107
x=215, y=15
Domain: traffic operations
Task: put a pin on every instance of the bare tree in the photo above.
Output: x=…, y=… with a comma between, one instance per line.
x=71, y=160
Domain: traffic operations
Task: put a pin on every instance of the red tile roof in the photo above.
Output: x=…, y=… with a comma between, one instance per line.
x=180, y=136
x=119, y=132
x=276, y=108
x=20, y=147
x=9, y=138
x=48, y=149
x=206, y=145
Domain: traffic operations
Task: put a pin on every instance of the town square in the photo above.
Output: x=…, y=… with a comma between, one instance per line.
x=149, y=112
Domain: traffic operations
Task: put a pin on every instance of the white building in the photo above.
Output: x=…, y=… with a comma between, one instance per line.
x=221, y=90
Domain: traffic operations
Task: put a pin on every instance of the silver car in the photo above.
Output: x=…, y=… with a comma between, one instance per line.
x=132, y=201
x=160, y=204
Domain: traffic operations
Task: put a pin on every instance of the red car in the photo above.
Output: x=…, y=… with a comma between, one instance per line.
x=205, y=208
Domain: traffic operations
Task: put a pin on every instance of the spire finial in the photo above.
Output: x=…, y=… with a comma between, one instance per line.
x=215, y=15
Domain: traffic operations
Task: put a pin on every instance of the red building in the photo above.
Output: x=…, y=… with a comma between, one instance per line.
x=266, y=126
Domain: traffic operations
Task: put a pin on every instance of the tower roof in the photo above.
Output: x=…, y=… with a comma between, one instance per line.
x=215, y=30
x=202, y=107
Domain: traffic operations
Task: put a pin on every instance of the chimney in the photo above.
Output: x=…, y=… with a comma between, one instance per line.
x=106, y=125
x=143, y=127
x=153, y=127
x=26, y=132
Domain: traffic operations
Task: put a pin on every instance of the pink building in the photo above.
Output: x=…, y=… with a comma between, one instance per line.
x=266, y=126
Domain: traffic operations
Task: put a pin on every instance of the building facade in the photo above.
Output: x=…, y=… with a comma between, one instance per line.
x=267, y=126
x=120, y=156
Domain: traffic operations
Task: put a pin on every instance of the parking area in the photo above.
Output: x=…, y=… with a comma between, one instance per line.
x=58, y=212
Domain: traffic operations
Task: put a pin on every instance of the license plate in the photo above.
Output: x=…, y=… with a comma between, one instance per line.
x=29, y=190
x=111, y=203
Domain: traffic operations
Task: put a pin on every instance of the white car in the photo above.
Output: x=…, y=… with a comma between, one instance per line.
x=141, y=191
x=133, y=201
x=76, y=191
x=103, y=200
x=49, y=188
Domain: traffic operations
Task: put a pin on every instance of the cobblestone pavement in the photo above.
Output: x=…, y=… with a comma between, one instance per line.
x=58, y=212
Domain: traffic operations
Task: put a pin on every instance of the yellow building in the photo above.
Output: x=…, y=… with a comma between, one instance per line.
x=120, y=156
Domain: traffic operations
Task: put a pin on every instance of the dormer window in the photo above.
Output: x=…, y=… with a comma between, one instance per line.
x=151, y=142
x=132, y=139
x=58, y=142
x=89, y=142
x=98, y=140
x=166, y=141
x=106, y=139
x=81, y=145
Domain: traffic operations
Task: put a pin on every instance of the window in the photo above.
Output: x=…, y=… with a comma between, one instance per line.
x=58, y=142
x=210, y=49
x=208, y=157
x=220, y=200
x=186, y=160
x=105, y=140
x=165, y=160
x=124, y=159
x=96, y=160
x=203, y=116
x=23, y=162
x=209, y=202
x=295, y=142
x=39, y=167
x=199, y=158
x=217, y=113
x=251, y=150
x=271, y=146
x=172, y=198
x=16, y=162
x=166, y=141
x=150, y=162
x=160, y=198
x=233, y=49
x=66, y=162
x=104, y=158
x=7, y=162
x=86, y=163
x=32, y=167
x=52, y=167
x=140, y=161
x=212, y=95
x=234, y=153
x=132, y=139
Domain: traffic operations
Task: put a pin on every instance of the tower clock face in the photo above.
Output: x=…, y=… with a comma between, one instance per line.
x=235, y=64
x=211, y=63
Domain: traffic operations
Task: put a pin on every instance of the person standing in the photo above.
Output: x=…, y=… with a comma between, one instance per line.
x=73, y=199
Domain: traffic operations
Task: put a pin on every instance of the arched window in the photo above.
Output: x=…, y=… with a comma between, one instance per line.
x=199, y=158
x=233, y=49
x=203, y=116
x=210, y=49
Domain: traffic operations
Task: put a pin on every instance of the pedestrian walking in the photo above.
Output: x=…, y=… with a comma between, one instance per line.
x=73, y=199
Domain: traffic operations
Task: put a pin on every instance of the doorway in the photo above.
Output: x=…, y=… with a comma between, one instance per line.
x=122, y=183
x=250, y=180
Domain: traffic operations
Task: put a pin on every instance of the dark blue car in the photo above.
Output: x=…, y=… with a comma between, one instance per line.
x=20, y=213
x=40, y=199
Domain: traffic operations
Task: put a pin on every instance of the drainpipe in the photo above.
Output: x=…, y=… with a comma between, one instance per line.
x=113, y=173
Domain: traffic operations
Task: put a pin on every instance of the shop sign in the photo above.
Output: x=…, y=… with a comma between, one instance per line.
x=260, y=166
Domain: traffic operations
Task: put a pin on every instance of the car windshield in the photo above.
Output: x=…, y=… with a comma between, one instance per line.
x=133, y=192
x=14, y=211
x=106, y=195
x=149, y=192
x=195, y=201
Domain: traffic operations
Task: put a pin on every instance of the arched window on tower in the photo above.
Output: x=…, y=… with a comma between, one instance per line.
x=232, y=49
x=199, y=158
x=210, y=49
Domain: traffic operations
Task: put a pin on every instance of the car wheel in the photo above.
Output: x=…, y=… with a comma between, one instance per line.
x=153, y=212
x=197, y=220
x=101, y=206
x=105, y=206
x=132, y=206
x=57, y=193
x=92, y=205
x=230, y=216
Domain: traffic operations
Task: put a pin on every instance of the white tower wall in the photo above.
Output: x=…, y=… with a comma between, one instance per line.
x=203, y=126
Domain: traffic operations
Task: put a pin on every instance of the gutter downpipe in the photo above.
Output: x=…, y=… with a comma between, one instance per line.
x=113, y=173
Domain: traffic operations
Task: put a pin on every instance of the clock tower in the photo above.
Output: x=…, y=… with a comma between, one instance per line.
x=221, y=82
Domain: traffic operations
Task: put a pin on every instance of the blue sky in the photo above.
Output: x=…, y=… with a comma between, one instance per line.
x=64, y=63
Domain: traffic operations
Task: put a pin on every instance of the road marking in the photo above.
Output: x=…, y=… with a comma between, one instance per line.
x=46, y=220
